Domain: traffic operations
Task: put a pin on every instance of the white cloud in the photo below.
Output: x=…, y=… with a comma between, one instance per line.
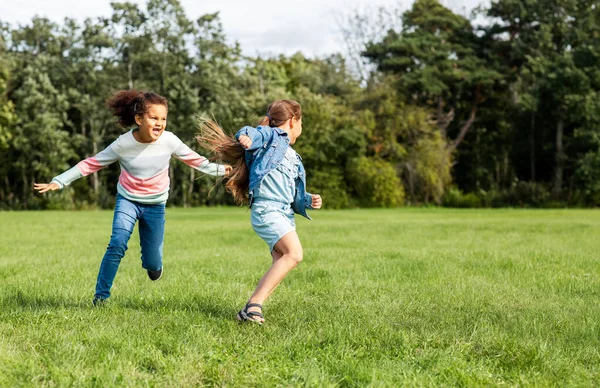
x=261, y=26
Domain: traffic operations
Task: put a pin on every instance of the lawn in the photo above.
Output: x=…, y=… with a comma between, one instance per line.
x=417, y=297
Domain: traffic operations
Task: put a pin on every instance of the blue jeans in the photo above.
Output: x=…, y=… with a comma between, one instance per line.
x=152, y=236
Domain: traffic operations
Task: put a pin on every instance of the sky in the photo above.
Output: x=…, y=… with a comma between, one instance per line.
x=262, y=27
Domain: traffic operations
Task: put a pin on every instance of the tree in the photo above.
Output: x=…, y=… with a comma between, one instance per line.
x=7, y=108
x=435, y=59
x=41, y=146
x=126, y=28
x=554, y=47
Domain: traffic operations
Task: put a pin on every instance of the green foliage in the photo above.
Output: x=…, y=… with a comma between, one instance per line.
x=333, y=133
x=520, y=194
x=432, y=161
x=7, y=107
x=405, y=136
x=552, y=49
x=332, y=187
x=525, y=194
x=506, y=110
x=40, y=146
x=588, y=177
x=456, y=198
x=435, y=59
x=375, y=183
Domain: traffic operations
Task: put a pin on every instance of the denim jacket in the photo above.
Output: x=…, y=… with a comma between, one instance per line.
x=267, y=151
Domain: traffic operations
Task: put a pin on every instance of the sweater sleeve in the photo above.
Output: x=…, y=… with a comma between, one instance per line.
x=199, y=162
x=89, y=166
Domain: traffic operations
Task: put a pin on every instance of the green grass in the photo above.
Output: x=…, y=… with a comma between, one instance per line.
x=418, y=297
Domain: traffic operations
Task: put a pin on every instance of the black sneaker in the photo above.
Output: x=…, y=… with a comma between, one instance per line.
x=155, y=275
x=98, y=301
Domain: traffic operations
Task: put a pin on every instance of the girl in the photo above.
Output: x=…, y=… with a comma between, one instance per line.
x=143, y=188
x=267, y=171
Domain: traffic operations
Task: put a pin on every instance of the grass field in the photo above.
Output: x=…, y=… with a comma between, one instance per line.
x=417, y=297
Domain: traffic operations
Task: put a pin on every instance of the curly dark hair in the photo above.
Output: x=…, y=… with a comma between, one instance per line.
x=126, y=104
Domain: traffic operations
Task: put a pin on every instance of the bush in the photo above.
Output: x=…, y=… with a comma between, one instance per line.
x=60, y=200
x=456, y=198
x=331, y=186
x=521, y=194
x=587, y=177
x=375, y=183
x=432, y=163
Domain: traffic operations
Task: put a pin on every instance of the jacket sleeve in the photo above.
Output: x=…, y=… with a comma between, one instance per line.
x=308, y=200
x=257, y=137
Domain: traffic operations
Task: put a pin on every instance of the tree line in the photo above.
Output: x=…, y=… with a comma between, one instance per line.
x=425, y=107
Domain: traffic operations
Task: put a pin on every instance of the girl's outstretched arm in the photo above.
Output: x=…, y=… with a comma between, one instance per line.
x=85, y=167
x=199, y=162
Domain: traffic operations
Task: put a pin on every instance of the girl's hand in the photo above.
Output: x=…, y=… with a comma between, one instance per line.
x=245, y=141
x=317, y=202
x=43, y=187
x=228, y=169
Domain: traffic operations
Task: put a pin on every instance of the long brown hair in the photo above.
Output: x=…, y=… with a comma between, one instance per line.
x=126, y=104
x=227, y=149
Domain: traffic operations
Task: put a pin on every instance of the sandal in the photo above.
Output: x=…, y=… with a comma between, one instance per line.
x=252, y=316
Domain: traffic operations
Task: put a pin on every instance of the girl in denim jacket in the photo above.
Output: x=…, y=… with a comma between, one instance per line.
x=269, y=174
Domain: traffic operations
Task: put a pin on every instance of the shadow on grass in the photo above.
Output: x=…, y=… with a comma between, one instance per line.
x=29, y=300
x=210, y=306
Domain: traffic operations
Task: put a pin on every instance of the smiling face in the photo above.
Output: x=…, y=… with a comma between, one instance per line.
x=152, y=124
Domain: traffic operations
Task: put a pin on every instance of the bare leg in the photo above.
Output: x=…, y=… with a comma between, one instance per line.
x=286, y=254
x=275, y=255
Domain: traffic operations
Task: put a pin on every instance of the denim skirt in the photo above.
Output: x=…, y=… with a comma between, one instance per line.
x=272, y=220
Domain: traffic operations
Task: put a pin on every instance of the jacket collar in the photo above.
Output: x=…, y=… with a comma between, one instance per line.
x=280, y=131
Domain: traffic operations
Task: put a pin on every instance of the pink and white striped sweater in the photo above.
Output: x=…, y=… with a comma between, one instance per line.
x=144, y=166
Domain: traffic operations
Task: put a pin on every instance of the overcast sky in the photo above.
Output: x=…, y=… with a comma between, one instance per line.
x=261, y=26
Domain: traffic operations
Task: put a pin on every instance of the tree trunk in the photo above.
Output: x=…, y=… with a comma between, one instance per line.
x=11, y=194
x=559, y=159
x=4, y=194
x=506, y=169
x=411, y=181
x=477, y=159
x=443, y=119
x=25, y=189
x=497, y=170
x=439, y=114
x=532, y=148
x=95, y=179
x=191, y=187
x=465, y=128
x=172, y=175
x=130, y=74
x=162, y=76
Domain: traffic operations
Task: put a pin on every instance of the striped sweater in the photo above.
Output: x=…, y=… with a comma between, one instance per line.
x=144, y=166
